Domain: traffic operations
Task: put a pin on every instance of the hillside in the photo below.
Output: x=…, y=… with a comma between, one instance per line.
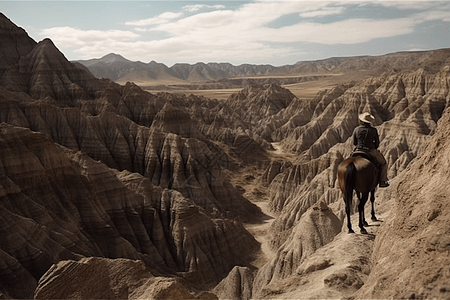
x=163, y=191
x=410, y=257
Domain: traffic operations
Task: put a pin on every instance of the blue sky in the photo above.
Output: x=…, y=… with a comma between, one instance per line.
x=255, y=32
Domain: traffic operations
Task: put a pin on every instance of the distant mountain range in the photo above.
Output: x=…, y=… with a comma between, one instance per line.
x=118, y=68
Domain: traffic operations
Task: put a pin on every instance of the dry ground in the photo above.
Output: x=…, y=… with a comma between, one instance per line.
x=302, y=90
x=220, y=94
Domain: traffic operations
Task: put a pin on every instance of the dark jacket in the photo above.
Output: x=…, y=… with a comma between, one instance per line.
x=366, y=136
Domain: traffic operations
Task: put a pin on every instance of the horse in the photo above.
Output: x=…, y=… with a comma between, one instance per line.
x=358, y=173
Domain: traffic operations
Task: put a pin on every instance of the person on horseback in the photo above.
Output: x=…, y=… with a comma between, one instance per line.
x=365, y=138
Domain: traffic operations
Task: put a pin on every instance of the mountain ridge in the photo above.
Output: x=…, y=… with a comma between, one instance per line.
x=108, y=66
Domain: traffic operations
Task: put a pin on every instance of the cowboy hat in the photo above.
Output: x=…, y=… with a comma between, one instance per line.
x=366, y=117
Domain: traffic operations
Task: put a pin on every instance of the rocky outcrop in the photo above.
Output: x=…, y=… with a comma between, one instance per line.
x=44, y=72
x=114, y=279
x=237, y=285
x=14, y=43
x=254, y=103
x=317, y=227
x=336, y=270
x=410, y=257
x=173, y=120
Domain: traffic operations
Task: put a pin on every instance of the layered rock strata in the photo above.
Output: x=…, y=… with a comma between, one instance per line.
x=44, y=72
x=14, y=43
x=115, y=279
x=58, y=204
x=237, y=285
x=335, y=270
x=317, y=227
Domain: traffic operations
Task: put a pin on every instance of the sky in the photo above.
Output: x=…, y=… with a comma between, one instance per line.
x=237, y=32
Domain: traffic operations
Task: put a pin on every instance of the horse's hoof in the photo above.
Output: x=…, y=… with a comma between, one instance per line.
x=363, y=231
x=351, y=231
x=374, y=219
x=366, y=224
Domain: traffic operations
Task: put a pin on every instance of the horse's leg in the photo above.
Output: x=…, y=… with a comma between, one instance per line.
x=348, y=212
x=349, y=183
x=361, y=204
x=372, y=200
x=363, y=213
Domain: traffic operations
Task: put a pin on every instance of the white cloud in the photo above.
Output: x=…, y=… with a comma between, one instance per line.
x=162, y=18
x=411, y=4
x=197, y=7
x=68, y=36
x=243, y=34
x=251, y=22
x=433, y=15
x=350, y=31
x=326, y=11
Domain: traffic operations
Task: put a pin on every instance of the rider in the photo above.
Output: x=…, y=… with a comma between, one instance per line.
x=365, y=138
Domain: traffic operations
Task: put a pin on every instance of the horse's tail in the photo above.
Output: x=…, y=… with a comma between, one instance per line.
x=350, y=176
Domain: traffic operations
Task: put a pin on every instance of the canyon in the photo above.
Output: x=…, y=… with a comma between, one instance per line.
x=110, y=191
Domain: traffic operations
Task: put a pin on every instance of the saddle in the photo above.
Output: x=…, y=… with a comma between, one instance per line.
x=366, y=155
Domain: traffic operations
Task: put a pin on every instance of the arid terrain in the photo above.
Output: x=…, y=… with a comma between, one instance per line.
x=166, y=183
x=302, y=90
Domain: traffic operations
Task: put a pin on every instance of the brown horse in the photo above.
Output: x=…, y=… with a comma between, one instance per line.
x=359, y=174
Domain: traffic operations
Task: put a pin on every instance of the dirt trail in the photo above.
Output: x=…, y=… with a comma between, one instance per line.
x=279, y=153
x=249, y=183
x=256, y=192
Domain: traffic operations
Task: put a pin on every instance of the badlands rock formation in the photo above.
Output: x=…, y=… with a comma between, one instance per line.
x=115, y=279
x=100, y=176
x=237, y=285
x=316, y=228
x=59, y=204
x=14, y=43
